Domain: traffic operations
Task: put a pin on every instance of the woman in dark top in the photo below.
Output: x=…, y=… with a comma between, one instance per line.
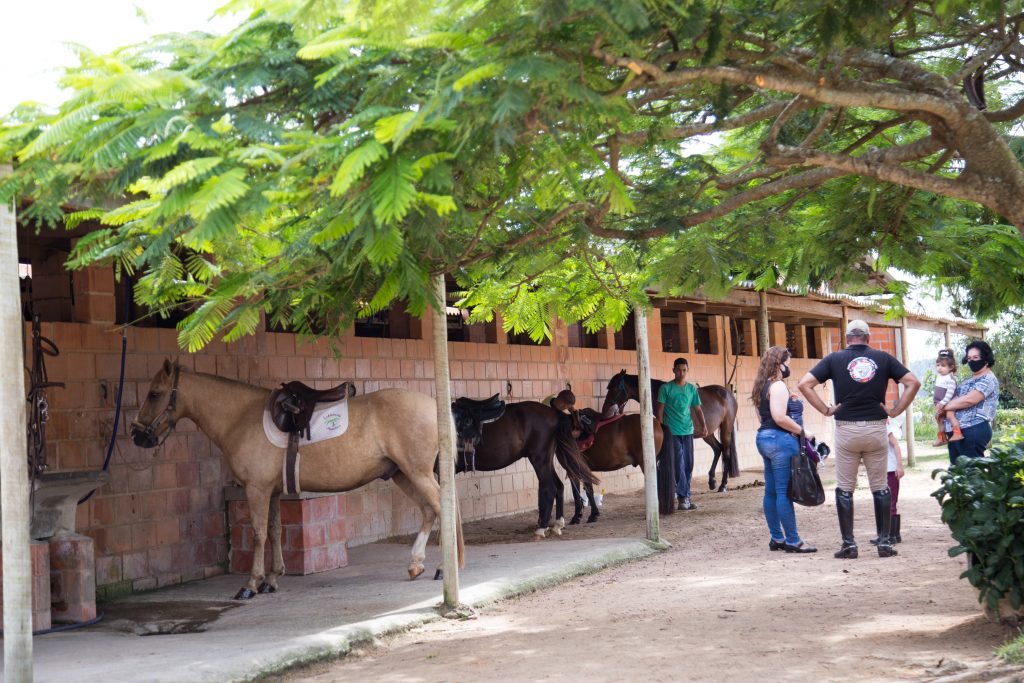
x=778, y=442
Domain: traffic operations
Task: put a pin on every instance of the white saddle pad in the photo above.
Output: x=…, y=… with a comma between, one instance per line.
x=329, y=420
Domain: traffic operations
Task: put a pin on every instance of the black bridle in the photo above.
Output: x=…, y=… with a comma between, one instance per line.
x=149, y=433
x=621, y=393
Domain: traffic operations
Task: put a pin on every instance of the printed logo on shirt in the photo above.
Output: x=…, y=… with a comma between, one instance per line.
x=862, y=369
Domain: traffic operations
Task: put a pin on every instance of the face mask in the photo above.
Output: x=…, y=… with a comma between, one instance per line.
x=785, y=372
x=975, y=365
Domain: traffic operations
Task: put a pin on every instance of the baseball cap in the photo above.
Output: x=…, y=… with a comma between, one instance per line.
x=857, y=327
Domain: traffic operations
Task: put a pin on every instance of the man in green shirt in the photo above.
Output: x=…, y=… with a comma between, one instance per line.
x=677, y=400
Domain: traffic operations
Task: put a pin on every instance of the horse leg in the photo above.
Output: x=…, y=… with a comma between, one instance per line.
x=259, y=504
x=277, y=569
x=426, y=493
x=559, y=491
x=577, y=501
x=594, y=512
x=716, y=448
x=544, y=500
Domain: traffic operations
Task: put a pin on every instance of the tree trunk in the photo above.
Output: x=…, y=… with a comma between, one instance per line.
x=647, y=426
x=14, y=493
x=446, y=448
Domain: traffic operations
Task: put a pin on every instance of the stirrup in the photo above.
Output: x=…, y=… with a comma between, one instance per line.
x=847, y=552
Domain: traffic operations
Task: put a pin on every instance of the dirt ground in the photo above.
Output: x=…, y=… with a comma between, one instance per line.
x=718, y=606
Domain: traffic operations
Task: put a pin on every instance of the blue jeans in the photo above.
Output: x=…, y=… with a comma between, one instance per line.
x=976, y=439
x=777, y=449
x=684, y=463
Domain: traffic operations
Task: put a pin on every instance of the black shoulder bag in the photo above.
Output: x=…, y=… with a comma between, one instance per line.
x=804, y=483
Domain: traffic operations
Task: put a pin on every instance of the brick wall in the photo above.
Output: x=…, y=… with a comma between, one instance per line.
x=162, y=518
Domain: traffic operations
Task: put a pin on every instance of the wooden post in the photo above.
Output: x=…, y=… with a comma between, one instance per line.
x=842, y=328
x=446, y=449
x=14, y=493
x=909, y=420
x=762, y=324
x=947, y=336
x=643, y=360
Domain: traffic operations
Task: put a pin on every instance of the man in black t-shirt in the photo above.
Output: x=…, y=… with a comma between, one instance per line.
x=860, y=376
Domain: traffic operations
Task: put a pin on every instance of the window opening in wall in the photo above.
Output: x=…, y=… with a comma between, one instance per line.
x=459, y=327
x=523, y=339
x=791, y=341
x=741, y=341
x=581, y=339
x=812, y=346
x=391, y=323
x=701, y=333
x=625, y=339
x=670, y=337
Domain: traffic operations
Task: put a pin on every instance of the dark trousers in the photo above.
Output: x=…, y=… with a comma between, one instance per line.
x=684, y=464
x=894, y=486
x=973, y=445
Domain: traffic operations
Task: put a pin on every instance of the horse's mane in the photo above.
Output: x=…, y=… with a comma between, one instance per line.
x=226, y=381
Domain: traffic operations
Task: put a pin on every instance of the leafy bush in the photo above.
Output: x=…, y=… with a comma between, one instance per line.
x=1009, y=418
x=983, y=504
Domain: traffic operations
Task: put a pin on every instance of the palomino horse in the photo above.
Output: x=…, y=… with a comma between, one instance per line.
x=537, y=432
x=392, y=434
x=615, y=445
x=717, y=403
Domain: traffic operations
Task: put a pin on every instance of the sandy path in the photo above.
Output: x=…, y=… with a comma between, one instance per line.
x=718, y=606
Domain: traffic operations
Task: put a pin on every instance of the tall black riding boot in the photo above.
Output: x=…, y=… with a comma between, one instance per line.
x=844, y=508
x=878, y=525
x=883, y=501
x=894, y=530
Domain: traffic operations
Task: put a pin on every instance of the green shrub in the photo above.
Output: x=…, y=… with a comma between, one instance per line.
x=1009, y=418
x=983, y=504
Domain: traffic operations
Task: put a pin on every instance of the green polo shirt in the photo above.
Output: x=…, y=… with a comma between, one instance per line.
x=678, y=400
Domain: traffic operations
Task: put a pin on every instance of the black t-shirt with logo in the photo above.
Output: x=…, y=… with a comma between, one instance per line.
x=860, y=376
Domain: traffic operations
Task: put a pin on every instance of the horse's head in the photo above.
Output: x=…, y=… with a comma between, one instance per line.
x=618, y=394
x=160, y=408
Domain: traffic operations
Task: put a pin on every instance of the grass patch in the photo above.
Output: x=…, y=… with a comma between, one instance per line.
x=1013, y=651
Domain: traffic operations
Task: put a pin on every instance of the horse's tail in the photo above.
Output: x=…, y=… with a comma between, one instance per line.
x=568, y=453
x=734, y=459
x=459, y=543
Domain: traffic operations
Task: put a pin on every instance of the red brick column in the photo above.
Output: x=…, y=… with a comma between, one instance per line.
x=313, y=533
x=40, y=554
x=72, y=578
x=94, y=295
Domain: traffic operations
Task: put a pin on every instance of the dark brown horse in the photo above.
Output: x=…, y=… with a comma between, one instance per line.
x=717, y=403
x=615, y=445
x=537, y=432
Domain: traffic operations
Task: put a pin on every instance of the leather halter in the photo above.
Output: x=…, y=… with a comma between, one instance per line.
x=150, y=430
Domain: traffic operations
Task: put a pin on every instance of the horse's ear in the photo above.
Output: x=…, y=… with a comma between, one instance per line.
x=168, y=368
x=622, y=371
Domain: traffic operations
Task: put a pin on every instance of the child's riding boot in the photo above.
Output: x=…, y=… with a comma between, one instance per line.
x=883, y=503
x=844, y=508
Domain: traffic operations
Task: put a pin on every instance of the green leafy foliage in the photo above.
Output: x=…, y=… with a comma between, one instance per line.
x=982, y=502
x=321, y=160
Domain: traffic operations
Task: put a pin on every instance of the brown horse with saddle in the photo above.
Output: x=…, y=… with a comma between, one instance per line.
x=390, y=434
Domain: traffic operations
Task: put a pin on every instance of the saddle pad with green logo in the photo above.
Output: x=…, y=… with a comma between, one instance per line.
x=329, y=420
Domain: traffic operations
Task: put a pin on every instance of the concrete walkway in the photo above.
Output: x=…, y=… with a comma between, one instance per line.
x=196, y=632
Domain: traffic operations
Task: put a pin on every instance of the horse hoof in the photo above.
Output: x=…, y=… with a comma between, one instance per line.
x=722, y=488
x=540, y=533
x=557, y=531
x=414, y=572
x=245, y=593
x=267, y=588
x=574, y=520
x=591, y=520
x=439, y=574
x=711, y=484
